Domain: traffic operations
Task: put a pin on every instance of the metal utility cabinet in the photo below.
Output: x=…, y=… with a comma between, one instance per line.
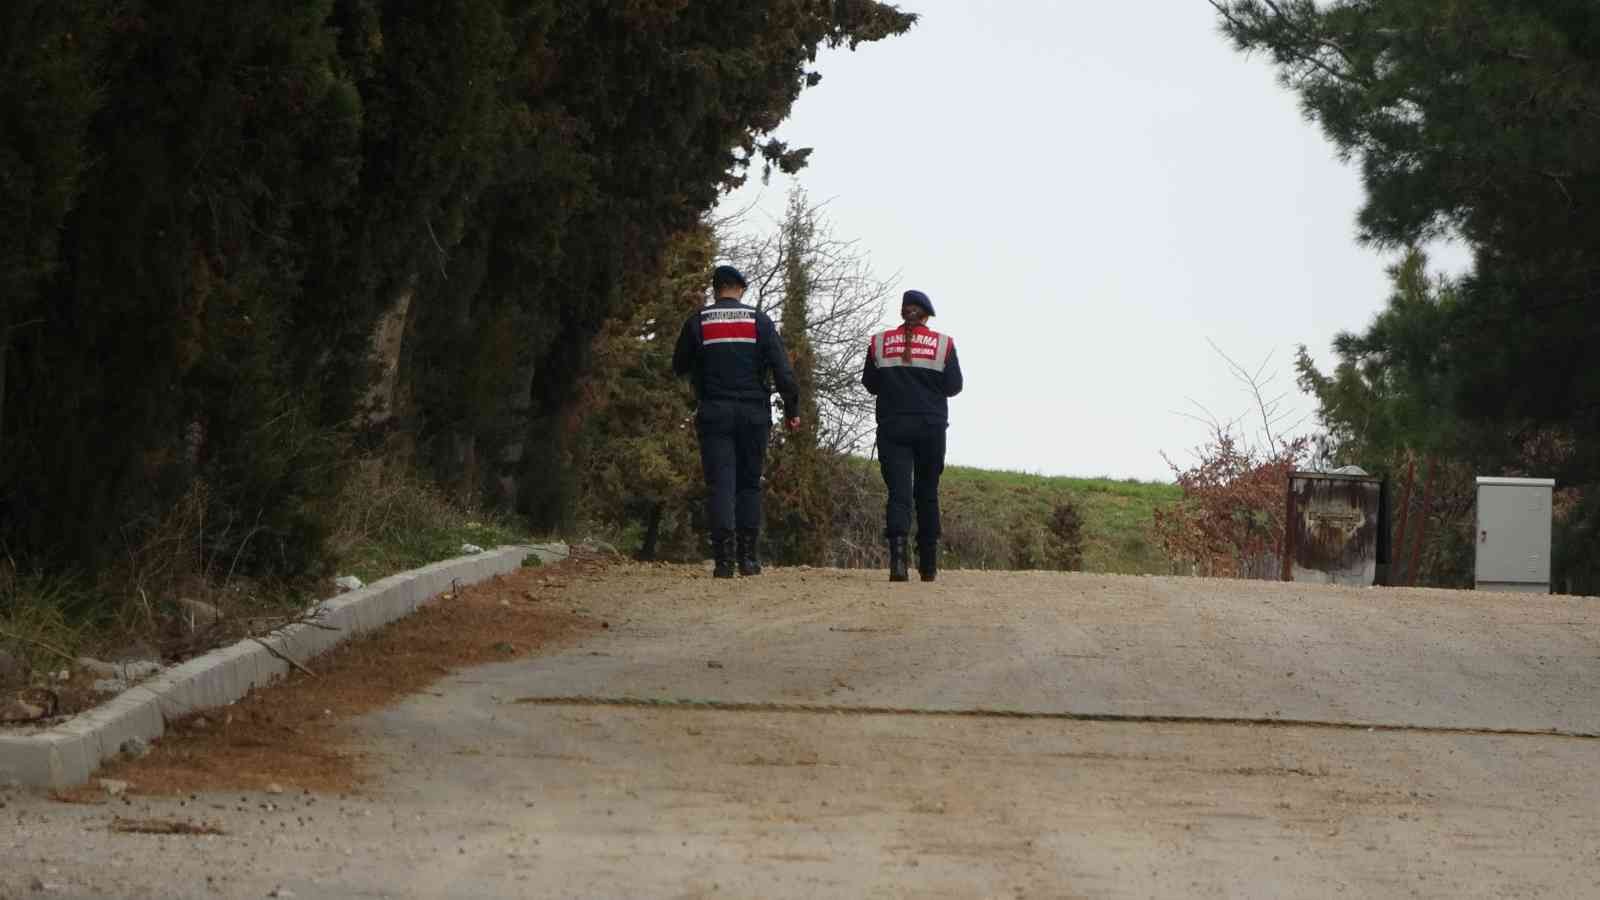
x=1513, y=536
x=1331, y=535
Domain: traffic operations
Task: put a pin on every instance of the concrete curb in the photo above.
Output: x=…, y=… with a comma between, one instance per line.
x=68, y=754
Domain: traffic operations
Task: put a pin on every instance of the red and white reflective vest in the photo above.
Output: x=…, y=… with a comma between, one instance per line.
x=929, y=349
x=916, y=387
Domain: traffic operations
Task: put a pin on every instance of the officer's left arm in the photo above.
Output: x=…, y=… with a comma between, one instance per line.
x=953, y=382
x=870, y=374
x=777, y=359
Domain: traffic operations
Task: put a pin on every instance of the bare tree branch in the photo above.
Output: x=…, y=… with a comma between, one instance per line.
x=846, y=305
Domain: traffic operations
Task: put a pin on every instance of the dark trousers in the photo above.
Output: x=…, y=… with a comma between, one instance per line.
x=732, y=453
x=912, y=459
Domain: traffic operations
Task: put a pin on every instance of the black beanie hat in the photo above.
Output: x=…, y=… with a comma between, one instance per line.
x=726, y=275
x=918, y=298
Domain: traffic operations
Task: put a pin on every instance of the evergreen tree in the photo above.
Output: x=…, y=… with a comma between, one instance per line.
x=50, y=57
x=636, y=448
x=214, y=207
x=1475, y=119
x=1376, y=404
x=800, y=511
x=1378, y=410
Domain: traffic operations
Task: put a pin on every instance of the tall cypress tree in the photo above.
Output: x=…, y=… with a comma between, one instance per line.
x=801, y=512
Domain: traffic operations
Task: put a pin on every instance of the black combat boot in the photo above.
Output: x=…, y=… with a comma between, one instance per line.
x=897, y=559
x=928, y=560
x=749, y=552
x=722, y=550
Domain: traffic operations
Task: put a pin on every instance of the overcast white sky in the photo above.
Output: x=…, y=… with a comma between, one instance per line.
x=1088, y=192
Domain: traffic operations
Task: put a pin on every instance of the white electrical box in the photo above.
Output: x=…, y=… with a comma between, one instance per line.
x=1513, y=536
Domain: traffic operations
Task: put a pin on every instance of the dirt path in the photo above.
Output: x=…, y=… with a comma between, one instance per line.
x=819, y=733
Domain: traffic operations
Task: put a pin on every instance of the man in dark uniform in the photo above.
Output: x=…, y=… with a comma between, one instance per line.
x=729, y=348
x=913, y=371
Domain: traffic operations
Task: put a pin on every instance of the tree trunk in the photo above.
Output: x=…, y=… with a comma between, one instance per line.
x=466, y=475
x=508, y=469
x=652, y=533
x=1397, y=575
x=388, y=339
x=547, y=488
x=6, y=330
x=1422, y=523
x=5, y=345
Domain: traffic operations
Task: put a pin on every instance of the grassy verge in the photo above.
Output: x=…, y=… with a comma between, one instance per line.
x=992, y=520
x=1001, y=520
x=382, y=523
x=1116, y=513
x=388, y=525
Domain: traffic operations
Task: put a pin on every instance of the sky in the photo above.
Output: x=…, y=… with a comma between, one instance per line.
x=1089, y=193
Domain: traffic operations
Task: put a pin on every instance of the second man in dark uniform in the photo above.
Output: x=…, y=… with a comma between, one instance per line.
x=729, y=349
x=913, y=371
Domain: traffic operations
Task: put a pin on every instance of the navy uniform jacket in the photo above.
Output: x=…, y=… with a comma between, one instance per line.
x=916, y=391
x=729, y=349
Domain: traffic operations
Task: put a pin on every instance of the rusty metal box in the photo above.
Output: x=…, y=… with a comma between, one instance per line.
x=1331, y=534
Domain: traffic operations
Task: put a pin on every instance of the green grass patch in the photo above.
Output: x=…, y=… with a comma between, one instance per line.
x=44, y=621
x=388, y=525
x=1117, y=513
x=985, y=508
x=401, y=549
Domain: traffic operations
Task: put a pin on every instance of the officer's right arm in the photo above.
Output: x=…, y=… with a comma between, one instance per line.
x=683, y=355
x=869, y=373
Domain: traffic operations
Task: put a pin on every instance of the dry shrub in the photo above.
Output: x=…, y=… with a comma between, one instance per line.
x=383, y=501
x=186, y=563
x=1064, y=546
x=1026, y=541
x=972, y=542
x=33, y=618
x=858, y=519
x=1230, y=522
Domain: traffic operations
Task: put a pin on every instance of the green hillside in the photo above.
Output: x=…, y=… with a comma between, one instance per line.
x=1116, y=513
x=998, y=519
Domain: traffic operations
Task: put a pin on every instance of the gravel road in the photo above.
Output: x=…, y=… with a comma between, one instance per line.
x=816, y=733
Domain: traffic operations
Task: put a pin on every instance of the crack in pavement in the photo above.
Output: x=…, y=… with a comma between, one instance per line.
x=865, y=711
